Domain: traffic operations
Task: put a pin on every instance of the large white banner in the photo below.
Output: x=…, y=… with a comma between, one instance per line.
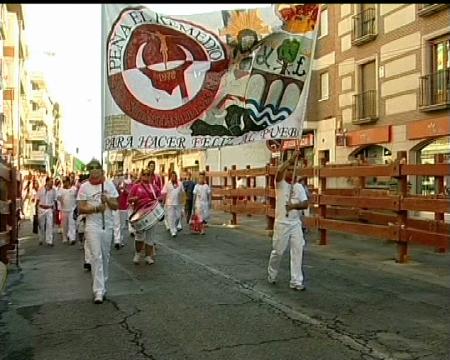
x=205, y=80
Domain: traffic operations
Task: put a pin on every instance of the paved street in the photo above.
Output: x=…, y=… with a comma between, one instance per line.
x=207, y=297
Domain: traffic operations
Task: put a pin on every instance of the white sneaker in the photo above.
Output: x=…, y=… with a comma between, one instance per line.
x=149, y=260
x=271, y=280
x=298, y=287
x=137, y=258
x=98, y=299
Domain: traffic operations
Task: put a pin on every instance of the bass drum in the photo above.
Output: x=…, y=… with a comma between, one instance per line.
x=147, y=217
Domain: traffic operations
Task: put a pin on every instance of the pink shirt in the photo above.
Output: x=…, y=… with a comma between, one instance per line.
x=157, y=184
x=144, y=194
x=124, y=190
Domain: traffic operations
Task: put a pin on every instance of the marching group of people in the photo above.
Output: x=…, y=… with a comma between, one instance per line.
x=100, y=212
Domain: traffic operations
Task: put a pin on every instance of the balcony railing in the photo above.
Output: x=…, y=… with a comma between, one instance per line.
x=38, y=135
x=429, y=9
x=365, y=107
x=435, y=91
x=37, y=115
x=36, y=157
x=364, y=27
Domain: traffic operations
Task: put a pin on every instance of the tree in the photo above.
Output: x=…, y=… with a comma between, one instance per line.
x=287, y=53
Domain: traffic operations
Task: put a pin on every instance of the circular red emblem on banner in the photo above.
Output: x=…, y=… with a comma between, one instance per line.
x=163, y=72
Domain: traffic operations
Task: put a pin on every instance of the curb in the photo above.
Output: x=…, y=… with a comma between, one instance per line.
x=3, y=276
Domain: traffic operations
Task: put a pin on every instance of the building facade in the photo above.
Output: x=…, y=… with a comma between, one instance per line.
x=30, y=121
x=39, y=153
x=14, y=81
x=380, y=83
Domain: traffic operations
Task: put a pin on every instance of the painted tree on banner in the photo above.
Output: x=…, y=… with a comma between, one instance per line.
x=210, y=80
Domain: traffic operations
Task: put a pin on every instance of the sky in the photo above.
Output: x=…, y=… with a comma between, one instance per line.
x=66, y=48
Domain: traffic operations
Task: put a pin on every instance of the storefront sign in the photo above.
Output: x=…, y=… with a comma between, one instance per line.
x=305, y=141
x=428, y=128
x=377, y=135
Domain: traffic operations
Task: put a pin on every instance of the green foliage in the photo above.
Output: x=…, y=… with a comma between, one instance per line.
x=288, y=51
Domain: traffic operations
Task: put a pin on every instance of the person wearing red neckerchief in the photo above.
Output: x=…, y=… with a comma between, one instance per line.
x=97, y=198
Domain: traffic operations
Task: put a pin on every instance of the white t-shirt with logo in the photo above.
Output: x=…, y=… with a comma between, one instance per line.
x=282, y=193
x=92, y=193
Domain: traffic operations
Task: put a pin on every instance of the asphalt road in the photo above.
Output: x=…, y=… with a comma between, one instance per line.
x=207, y=297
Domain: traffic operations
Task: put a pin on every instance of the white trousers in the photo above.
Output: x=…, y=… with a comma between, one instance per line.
x=68, y=226
x=124, y=233
x=282, y=236
x=173, y=218
x=45, y=218
x=28, y=210
x=117, y=228
x=98, y=246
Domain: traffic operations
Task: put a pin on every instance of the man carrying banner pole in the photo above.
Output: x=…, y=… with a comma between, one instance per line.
x=290, y=198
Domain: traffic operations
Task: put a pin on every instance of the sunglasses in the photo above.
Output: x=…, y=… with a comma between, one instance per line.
x=146, y=173
x=95, y=168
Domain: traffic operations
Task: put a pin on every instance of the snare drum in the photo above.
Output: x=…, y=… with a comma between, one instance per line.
x=147, y=217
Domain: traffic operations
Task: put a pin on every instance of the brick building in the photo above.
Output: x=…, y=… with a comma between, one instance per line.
x=381, y=84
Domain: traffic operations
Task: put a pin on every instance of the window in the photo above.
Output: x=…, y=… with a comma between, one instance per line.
x=365, y=101
x=34, y=106
x=440, y=54
x=435, y=84
x=34, y=85
x=323, y=25
x=324, y=86
x=35, y=146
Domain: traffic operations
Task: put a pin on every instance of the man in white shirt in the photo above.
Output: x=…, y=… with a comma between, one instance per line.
x=290, y=198
x=173, y=192
x=97, y=198
x=45, y=203
x=67, y=198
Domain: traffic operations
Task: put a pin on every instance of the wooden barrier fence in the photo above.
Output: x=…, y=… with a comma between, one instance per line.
x=383, y=214
x=9, y=184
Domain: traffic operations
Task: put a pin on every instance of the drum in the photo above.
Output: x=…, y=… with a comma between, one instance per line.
x=147, y=217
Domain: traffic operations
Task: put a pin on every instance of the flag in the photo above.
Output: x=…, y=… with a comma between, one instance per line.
x=206, y=80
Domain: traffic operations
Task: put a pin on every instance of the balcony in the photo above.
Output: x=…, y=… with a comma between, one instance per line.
x=365, y=107
x=435, y=91
x=36, y=158
x=364, y=27
x=38, y=135
x=37, y=115
x=430, y=9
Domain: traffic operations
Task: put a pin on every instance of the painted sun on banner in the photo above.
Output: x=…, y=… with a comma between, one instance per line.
x=205, y=80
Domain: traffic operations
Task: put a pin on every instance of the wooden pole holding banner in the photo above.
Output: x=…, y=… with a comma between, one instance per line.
x=291, y=192
x=103, y=112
